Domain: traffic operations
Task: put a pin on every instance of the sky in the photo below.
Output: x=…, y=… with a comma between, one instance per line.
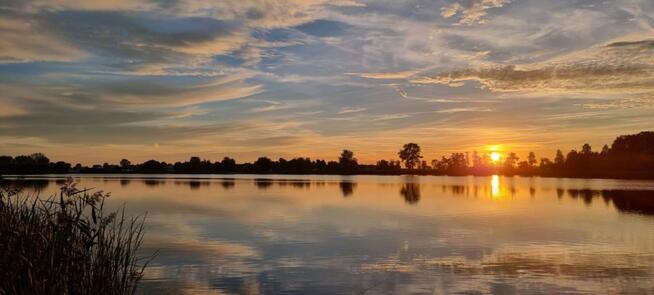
x=97, y=81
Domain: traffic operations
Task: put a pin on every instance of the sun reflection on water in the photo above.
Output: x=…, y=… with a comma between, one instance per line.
x=495, y=187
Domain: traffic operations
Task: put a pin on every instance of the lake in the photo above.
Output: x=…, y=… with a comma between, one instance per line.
x=282, y=234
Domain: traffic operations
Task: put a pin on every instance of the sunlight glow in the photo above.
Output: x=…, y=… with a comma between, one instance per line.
x=495, y=156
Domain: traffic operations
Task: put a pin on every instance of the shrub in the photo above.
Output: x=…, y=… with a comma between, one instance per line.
x=67, y=244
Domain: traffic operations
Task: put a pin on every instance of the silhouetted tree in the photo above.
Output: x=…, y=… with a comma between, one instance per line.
x=410, y=154
x=586, y=149
x=60, y=167
x=263, y=164
x=347, y=161
x=152, y=166
x=532, y=159
x=228, y=165
x=559, y=160
x=510, y=162
x=5, y=163
x=384, y=165
x=629, y=156
x=546, y=166
x=125, y=164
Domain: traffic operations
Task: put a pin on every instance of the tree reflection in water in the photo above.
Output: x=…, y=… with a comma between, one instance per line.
x=626, y=201
x=410, y=192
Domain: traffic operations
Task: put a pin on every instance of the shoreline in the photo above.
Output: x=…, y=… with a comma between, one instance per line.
x=153, y=175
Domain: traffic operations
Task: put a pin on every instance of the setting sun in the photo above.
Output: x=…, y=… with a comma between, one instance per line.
x=495, y=156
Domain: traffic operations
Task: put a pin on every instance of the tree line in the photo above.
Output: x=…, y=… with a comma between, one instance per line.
x=629, y=156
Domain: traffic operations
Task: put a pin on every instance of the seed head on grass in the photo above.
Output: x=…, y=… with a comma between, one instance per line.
x=67, y=244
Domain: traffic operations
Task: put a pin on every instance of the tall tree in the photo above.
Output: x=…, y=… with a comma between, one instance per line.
x=347, y=160
x=531, y=159
x=559, y=160
x=410, y=154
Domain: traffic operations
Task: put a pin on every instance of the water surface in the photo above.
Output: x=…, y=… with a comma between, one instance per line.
x=388, y=234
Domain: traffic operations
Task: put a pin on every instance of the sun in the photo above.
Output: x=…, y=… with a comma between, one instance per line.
x=495, y=156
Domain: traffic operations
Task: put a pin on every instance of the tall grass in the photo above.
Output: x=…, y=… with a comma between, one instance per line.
x=67, y=244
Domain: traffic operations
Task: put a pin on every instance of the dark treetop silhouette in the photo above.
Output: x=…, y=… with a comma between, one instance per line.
x=629, y=156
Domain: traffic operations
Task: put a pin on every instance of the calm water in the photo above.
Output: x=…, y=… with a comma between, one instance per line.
x=390, y=235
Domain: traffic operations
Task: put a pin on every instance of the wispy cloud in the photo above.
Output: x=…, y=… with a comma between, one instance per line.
x=624, y=67
x=472, y=11
x=21, y=41
x=349, y=110
x=390, y=75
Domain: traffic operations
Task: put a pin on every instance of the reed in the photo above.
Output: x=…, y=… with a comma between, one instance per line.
x=67, y=244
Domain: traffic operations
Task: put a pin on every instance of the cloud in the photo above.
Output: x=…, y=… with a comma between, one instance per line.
x=162, y=95
x=106, y=5
x=22, y=41
x=263, y=13
x=471, y=11
x=389, y=75
x=283, y=105
x=9, y=109
x=625, y=67
x=124, y=92
x=136, y=34
x=349, y=110
x=136, y=39
x=462, y=110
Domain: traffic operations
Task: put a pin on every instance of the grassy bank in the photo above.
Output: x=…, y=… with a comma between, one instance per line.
x=67, y=244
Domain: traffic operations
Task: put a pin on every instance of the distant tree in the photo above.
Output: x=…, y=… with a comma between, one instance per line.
x=572, y=161
x=559, y=160
x=41, y=162
x=477, y=160
x=40, y=159
x=152, y=166
x=263, y=164
x=124, y=163
x=347, y=160
x=194, y=163
x=586, y=150
x=531, y=160
x=333, y=166
x=228, y=164
x=383, y=165
x=436, y=164
x=320, y=165
x=633, y=152
x=423, y=165
x=605, y=150
x=60, y=167
x=410, y=154
x=641, y=143
x=510, y=161
x=456, y=164
x=524, y=166
x=23, y=164
x=545, y=165
x=5, y=163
